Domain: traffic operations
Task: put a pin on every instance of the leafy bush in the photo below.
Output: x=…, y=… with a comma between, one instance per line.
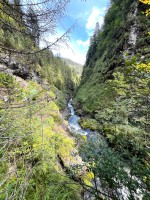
x=89, y=124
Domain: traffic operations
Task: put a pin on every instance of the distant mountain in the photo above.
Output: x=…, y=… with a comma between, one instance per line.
x=78, y=67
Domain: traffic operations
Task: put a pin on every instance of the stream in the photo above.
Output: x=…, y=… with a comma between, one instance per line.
x=73, y=122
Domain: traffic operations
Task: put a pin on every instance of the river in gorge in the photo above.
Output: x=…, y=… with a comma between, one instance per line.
x=75, y=128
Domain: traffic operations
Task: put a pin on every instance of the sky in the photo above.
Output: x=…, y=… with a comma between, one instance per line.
x=86, y=13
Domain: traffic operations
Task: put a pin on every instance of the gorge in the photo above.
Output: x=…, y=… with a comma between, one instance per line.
x=66, y=135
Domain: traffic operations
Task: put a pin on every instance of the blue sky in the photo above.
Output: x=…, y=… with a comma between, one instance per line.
x=87, y=13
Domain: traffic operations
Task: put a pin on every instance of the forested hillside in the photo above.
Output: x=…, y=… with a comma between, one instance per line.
x=35, y=86
x=77, y=67
x=113, y=97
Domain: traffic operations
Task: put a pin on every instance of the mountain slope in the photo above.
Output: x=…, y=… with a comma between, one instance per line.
x=33, y=89
x=114, y=98
x=124, y=35
x=77, y=67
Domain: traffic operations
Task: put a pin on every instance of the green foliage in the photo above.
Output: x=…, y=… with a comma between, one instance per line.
x=121, y=107
x=14, y=34
x=33, y=91
x=76, y=66
x=113, y=172
x=6, y=81
x=58, y=73
x=92, y=124
x=61, y=101
x=29, y=145
x=56, y=186
x=9, y=88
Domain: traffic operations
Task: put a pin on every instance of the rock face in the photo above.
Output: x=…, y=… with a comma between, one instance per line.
x=12, y=66
x=133, y=34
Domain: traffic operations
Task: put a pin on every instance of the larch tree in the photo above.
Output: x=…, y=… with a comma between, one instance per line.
x=35, y=20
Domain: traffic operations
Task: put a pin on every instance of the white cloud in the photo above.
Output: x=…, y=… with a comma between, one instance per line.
x=96, y=15
x=101, y=20
x=83, y=43
x=71, y=52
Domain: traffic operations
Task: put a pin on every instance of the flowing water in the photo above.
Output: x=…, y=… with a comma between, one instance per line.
x=73, y=122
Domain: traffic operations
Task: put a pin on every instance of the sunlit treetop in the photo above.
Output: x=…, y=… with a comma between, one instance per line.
x=147, y=12
x=145, y=1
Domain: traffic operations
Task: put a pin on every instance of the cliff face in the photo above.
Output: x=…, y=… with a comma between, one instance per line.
x=124, y=35
x=114, y=94
x=14, y=67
